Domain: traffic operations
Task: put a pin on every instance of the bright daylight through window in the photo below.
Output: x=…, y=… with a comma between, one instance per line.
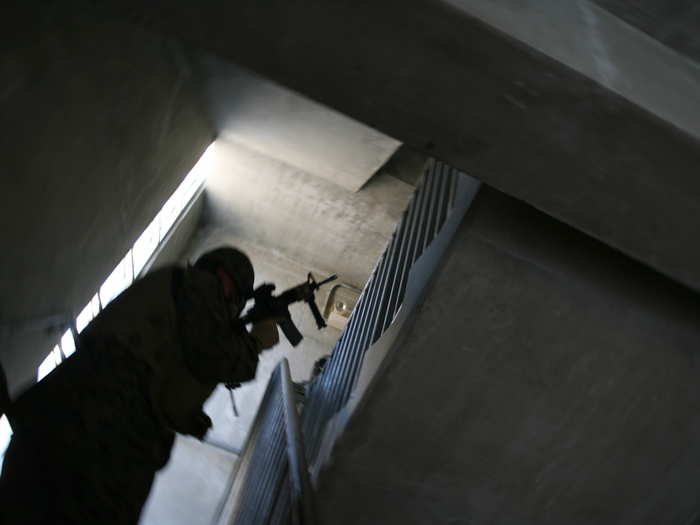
x=128, y=269
x=136, y=259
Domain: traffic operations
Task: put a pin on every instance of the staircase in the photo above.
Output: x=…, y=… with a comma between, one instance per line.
x=500, y=367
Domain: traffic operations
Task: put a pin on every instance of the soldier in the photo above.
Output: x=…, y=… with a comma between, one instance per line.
x=89, y=438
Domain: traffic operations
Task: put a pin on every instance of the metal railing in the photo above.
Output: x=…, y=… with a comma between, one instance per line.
x=432, y=203
x=271, y=484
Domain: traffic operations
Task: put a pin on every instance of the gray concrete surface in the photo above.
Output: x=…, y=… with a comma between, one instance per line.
x=545, y=379
x=306, y=218
x=100, y=125
x=407, y=165
x=189, y=489
x=438, y=78
x=673, y=23
x=274, y=121
x=606, y=49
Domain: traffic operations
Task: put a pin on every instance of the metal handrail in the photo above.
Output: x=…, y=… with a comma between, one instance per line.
x=271, y=483
x=301, y=504
x=273, y=487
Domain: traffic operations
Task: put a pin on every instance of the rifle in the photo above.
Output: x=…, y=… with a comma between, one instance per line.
x=268, y=306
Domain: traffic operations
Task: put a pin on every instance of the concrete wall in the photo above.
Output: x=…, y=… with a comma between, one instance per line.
x=100, y=124
x=306, y=218
x=605, y=48
x=545, y=379
x=284, y=125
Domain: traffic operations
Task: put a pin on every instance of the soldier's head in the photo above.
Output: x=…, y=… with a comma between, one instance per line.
x=234, y=269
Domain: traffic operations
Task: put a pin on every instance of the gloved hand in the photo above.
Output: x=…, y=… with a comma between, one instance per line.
x=265, y=332
x=200, y=425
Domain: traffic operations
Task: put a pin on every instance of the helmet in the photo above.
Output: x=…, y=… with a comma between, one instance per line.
x=235, y=263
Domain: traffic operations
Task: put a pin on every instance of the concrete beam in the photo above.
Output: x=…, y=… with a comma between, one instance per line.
x=272, y=120
x=604, y=48
x=439, y=79
x=673, y=23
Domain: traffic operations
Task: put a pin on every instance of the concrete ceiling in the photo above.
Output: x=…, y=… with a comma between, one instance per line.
x=560, y=104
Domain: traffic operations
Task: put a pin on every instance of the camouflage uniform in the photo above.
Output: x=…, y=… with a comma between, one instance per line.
x=89, y=438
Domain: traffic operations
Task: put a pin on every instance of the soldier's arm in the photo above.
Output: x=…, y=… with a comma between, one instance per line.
x=217, y=346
